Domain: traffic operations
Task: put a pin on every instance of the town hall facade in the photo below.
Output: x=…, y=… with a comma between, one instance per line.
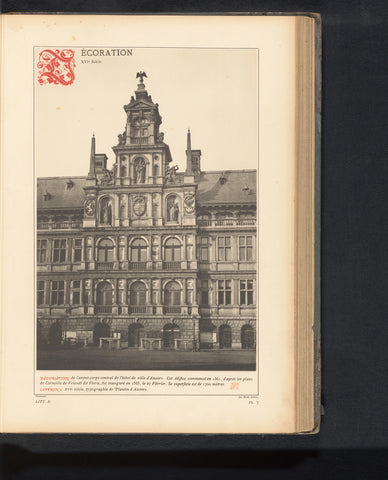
x=159, y=258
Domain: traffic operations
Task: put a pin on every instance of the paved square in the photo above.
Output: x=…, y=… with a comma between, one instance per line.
x=93, y=358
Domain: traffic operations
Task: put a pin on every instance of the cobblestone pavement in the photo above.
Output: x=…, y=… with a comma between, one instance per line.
x=93, y=358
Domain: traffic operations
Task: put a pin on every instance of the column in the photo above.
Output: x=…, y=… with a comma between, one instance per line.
x=49, y=255
x=66, y=294
x=91, y=299
x=213, y=250
x=212, y=292
x=236, y=291
x=116, y=211
x=81, y=292
x=92, y=246
x=116, y=253
x=148, y=283
x=148, y=198
x=184, y=259
x=115, y=296
x=83, y=248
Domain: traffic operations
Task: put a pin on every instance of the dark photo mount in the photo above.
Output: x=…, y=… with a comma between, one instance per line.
x=354, y=236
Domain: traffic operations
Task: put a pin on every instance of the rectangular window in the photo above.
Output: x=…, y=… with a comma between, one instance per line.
x=204, y=292
x=41, y=247
x=143, y=255
x=245, y=248
x=139, y=254
x=204, y=249
x=224, y=249
x=77, y=250
x=85, y=298
x=173, y=253
x=246, y=292
x=76, y=292
x=40, y=292
x=105, y=254
x=59, y=251
x=57, y=292
x=144, y=132
x=224, y=292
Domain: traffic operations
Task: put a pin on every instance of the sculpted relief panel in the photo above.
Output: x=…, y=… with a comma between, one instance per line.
x=139, y=206
x=189, y=203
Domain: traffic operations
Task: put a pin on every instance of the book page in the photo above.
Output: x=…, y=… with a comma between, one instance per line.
x=148, y=172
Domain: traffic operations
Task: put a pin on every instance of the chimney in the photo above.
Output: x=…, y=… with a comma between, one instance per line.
x=196, y=161
x=92, y=170
x=189, y=166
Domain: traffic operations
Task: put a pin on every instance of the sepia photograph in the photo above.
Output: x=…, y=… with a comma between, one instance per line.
x=146, y=229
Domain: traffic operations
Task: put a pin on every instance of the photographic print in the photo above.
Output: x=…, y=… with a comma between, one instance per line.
x=146, y=208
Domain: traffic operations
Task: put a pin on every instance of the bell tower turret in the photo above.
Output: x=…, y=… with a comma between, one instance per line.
x=143, y=118
x=142, y=157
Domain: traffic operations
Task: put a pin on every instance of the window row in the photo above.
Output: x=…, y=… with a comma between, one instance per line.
x=138, y=250
x=224, y=248
x=137, y=293
x=59, y=250
x=224, y=292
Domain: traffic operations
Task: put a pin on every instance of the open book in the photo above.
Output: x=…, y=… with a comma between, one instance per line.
x=160, y=223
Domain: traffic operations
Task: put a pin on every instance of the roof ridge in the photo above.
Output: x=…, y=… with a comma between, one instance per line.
x=231, y=171
x=60, y=178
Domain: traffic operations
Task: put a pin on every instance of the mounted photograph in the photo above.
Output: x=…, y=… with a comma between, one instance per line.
x=146, y=230
x=164, y=225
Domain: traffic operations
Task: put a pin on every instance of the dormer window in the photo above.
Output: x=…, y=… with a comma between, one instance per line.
x=46, y=196
x=222, y=179
x=69, y=184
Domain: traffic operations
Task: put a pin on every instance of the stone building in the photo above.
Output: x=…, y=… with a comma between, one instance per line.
x=160, y=258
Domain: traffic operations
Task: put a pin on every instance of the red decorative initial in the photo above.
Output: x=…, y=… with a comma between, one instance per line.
x=56, y=66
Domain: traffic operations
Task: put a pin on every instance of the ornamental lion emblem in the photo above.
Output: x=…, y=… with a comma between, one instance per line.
x=90, y=206
x=189, y=203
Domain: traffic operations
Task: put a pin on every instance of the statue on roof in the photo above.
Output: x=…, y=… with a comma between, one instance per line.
x=107, y=177
x=122, y=137
x=141, y=75
x=171, y=176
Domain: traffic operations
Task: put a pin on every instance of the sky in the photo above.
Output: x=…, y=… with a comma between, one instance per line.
x=214, y=92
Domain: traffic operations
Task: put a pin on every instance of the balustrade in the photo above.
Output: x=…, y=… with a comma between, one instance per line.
x=137, y=265
x=171, y=309
x=103, y=309
x=226, y=222
x=104, y=266
x=139, y=140
x=58, y=225
x=171, y=265
x=138, y=309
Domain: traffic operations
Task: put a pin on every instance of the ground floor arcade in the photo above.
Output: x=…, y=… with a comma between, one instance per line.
x=149, y=333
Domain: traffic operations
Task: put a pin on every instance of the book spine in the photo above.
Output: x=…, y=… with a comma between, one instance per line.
x=307, y=332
